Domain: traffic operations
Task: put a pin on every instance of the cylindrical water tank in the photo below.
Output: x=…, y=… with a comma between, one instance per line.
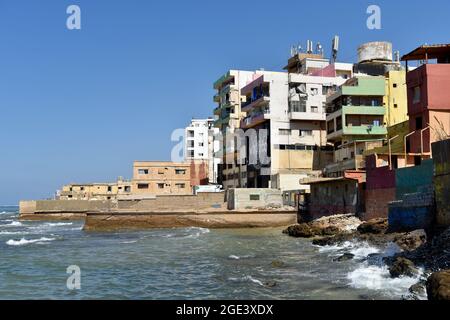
x=375, y=51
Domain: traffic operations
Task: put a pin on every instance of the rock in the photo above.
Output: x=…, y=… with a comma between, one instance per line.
x=418, y=288
x=344, y=257
x=270, y=284
x=302, y=230
x=438, y=286
x=330, y=231
x=411, y=240
x=403, y=267
x=375, y=226
x=277, y=264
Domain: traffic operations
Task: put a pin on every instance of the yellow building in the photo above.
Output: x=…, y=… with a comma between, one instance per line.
x=161, y=178
x=396, y=99
x=95, y=191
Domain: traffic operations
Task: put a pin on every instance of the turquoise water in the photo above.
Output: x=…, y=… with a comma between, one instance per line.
x=189, y=263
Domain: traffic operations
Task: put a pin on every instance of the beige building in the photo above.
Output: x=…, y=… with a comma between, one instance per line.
x=95, y=191
x=161, y=178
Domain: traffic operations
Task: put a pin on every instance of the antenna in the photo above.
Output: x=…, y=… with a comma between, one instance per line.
x=309, y=47
x=319, y=48
x=335, y=46
x=397, y=56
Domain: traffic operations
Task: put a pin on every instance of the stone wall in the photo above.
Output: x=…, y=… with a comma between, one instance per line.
x=441, y=157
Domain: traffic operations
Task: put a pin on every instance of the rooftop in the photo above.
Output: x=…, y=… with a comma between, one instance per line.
x=427, y=52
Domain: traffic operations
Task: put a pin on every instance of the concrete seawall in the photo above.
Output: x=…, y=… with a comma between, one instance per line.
x=213, y=220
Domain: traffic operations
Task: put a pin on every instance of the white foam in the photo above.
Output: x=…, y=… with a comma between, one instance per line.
x=14, y=224
x=358, y=249
x=246, y=279
x=378, y=278
x=234, y=257
x=24, y=241
x=58, y=224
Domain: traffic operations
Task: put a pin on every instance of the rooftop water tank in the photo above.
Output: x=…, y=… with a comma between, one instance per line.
x=375, y=51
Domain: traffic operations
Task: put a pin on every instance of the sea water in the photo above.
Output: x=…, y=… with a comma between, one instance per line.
x=187, y=263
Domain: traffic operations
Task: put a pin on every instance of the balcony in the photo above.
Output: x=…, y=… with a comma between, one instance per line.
x=255, y=119
x=258, y=102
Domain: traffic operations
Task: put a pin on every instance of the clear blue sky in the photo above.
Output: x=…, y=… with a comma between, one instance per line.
x=80, y=106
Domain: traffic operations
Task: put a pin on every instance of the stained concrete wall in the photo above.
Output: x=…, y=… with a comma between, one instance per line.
x=441, y=158
x=408, y=180
x=254, y=198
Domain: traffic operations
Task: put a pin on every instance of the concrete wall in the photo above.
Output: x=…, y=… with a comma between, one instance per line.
x=335, y=197
x=408, y=180
x=239, y=199
x=380, y=189
x=441, y=159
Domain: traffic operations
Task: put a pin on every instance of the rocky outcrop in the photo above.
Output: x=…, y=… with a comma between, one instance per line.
x=375, y=226
x=403, y=267
x=438, y=286
x=344, y=257
x=326, y=226
x=411, y=240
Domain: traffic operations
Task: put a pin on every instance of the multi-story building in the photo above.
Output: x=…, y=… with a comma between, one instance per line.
x=291, y=107
x=228, y=118
x=355, y=122
x=201, y=144
x=161, y=178
x=428, y=99
x=95, y=191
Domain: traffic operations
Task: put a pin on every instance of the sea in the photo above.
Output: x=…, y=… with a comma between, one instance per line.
x=38, y=259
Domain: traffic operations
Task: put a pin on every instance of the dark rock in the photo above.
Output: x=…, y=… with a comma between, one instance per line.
x=302, y=230
x=418, y=288
x=403, y=267
x=438, y=286
x=277, y=264
x=330, y=231
x=375, y=226
x=270, y=284
x=344, y=257
x=411, y=240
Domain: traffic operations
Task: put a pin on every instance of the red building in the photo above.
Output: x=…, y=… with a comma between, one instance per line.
x=428, y=98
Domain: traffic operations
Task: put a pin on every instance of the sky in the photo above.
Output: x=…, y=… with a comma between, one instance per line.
x=82, y=105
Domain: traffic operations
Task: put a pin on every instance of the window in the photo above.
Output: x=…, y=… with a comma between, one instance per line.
x=254, y=197
x=419, y=124
x=284, y=132
x=127, y=189
x=200, y=144
x=395, y=85
x=297, y=106
x=314, y=109
x=305, y=133
x=142, y=186
x=180, y=171
x=81, y=188
x=395, y=105
x=160, y=185
x=109, y=189
x=160, y=171
x=376, y=123
x=108, y=198
x=190, y=133
x=190, y=153
x=143, y=171
x=180, y=185
x=200, y=154
x=417, y=94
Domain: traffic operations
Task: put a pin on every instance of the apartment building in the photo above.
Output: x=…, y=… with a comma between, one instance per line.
x=201, y=144
x=95, y=191
x=228, y=116
x=428, y=99
x=161, y=178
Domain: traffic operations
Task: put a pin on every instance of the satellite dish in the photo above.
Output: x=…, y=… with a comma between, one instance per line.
x=302, y=88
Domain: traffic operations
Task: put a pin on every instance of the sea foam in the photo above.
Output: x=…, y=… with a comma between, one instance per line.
x=24, y=241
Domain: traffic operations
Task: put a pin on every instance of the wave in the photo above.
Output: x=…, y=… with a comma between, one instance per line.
x=13, y=224
x=24, y=241
x=58, y=224
x=234, y=257
x=378, y=278
x=359, y=249
x=246, y=279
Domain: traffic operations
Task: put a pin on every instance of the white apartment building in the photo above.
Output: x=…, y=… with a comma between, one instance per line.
x=291, y=107
x=201, y=145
